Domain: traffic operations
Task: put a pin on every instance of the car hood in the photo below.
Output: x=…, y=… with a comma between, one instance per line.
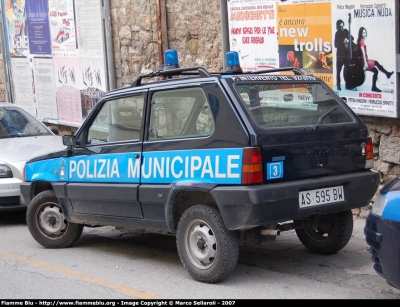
x=25, y=148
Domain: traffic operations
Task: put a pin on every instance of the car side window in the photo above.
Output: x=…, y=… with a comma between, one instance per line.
x=183, y=113
x=118, y=120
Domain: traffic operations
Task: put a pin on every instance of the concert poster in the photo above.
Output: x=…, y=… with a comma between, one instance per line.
x=252, y=33
x=304, y=36
x=370, y=25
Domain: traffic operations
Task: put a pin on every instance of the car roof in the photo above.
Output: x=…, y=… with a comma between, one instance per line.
x=8, y=104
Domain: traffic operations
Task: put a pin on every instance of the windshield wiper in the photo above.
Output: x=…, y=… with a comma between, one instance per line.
x=323, y=116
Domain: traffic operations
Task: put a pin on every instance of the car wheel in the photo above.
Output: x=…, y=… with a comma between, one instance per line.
x=47, y=223
x=331, y=235
x=207, y=249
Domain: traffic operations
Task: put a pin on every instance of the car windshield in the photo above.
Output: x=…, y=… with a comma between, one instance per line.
x=16, y=122
x=283, y=105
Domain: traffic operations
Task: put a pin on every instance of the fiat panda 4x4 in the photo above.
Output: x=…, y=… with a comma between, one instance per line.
x=213, y=158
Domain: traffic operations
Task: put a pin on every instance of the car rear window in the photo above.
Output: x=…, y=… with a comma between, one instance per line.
x=283, y=105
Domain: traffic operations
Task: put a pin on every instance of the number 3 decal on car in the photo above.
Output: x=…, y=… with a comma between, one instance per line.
x=274, y=170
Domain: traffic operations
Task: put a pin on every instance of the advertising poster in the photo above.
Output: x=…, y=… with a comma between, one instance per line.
x=302, y=1
x=90, y=39
x=80, y=84
x=305, y=37
x=92, y=83
x=16, y=27
x=56, y=57
x=364, y=70
x=44, y=89
x=62, y=28
x=67, y=90
x=252, y=33
x=37, y=18
x=23, y=83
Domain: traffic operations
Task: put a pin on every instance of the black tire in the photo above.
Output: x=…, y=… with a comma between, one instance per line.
x=47, y=223
x=206, y=248
x=332, y=234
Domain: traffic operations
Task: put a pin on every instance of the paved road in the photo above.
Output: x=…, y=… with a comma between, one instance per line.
x=110, y=264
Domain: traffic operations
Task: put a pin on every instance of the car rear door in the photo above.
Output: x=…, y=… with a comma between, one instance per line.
x=304, y=129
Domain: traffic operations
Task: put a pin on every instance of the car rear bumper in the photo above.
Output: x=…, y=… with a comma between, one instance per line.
x=244, y=207
x=383, y=237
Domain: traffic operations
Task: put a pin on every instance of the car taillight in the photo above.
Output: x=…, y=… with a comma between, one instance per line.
x=369, y=153
x=252, y=169
x=369, y=149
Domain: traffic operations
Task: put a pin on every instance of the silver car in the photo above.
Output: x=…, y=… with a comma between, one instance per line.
x=22, y=137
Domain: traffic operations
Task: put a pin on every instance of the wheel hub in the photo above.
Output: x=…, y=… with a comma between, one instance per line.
x=51, y=220
x=201, y=244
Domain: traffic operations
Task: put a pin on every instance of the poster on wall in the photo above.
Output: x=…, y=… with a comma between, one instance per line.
x=305, y=39
x=252, y=30
x=283, y=2
x=57, y=57
x=90, y=39
x=80, y=84
x=365, y=55
x=17, y=38
x=67, y=90
x=37, y=19
x=44, y=92
x=62, y=28
x=93, y=87
x=314, y=36
x=23, y=83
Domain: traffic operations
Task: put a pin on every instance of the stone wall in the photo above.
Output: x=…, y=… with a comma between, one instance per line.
x=385, y=133
x=194, y=29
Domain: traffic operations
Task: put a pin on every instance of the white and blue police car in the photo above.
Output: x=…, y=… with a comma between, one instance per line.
x=215, y=158
x=382, y=233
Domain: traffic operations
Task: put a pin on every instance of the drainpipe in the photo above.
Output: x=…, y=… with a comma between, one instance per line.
x=162, y=31
x=225, y=28
x=5, y=57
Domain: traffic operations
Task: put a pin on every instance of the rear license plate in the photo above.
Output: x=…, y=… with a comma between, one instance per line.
x=321, y=196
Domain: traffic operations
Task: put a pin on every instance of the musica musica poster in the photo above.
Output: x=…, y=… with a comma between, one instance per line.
x=304, y=36
x=368, y=89
x=252, y=33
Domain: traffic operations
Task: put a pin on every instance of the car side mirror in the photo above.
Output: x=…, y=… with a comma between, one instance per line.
x=69, y=140
x=54, y=129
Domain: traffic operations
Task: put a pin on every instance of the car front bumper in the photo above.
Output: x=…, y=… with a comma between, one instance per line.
x=383, y=237
x=10, y=195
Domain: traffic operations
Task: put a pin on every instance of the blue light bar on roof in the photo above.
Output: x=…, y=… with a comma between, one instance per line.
x=171, y=60
x=232, y=58
x=232, y=62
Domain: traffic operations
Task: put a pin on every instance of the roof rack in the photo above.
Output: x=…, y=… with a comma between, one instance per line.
x=171, y=68
x=195, y=70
